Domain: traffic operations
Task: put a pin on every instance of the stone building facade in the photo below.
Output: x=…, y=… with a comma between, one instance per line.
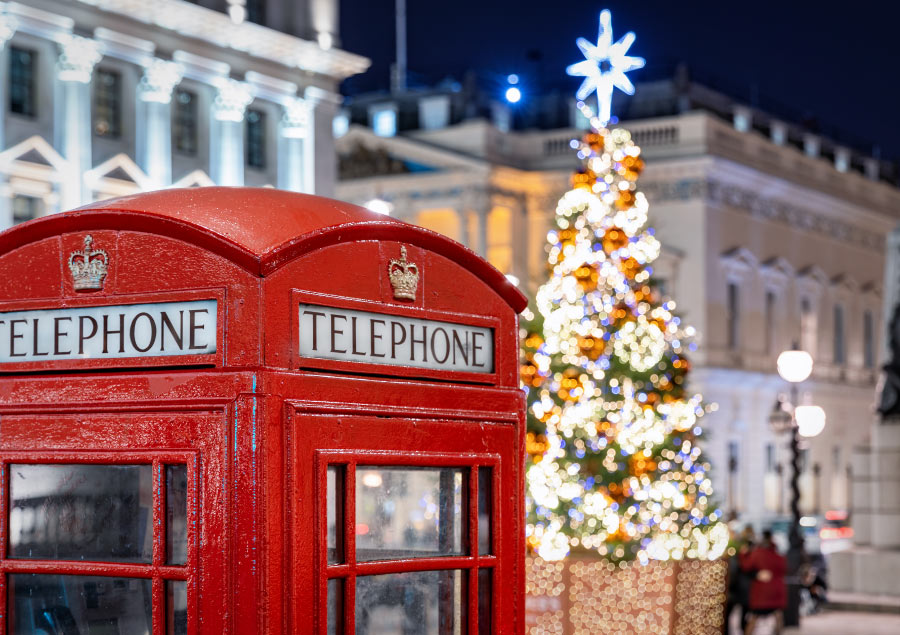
x=771, y=235
x=103, y=98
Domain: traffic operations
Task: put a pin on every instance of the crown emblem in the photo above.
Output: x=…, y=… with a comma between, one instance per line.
x=404, y=277
x=88, y=266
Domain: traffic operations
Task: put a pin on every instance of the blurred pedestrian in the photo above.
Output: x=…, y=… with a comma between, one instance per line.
x=768, y=591
x=814, y=576
x=739, y=580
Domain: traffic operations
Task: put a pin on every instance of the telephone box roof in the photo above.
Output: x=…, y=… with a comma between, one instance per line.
x=258, y=228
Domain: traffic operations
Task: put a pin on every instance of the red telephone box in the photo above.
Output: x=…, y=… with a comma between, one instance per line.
x=230, y=410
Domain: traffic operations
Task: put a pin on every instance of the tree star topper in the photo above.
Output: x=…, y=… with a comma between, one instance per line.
x=605, y=66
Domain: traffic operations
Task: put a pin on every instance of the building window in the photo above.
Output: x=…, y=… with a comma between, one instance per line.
x=384, y=121
x=256, y=139
x=22, y=64
x=184, y=129
x=256, y=11
x=733, y=316
x=107, y=103
x=63, y=514
x=840, y=354
x=662, y=287
x=808, y=332
x=734, y=453
x=770, y=322
x=868, y=339
x=770, y=457
x=25, y=208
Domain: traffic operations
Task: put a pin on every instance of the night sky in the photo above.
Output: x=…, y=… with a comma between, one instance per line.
x=799, y=59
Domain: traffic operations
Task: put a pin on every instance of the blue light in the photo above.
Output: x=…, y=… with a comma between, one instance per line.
x=512, y=79
x=513, y=95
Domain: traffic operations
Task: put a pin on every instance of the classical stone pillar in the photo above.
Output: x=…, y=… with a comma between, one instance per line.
x=7, y=28
x=72, y=113
x=324, y=18
x=481, y=239
x=463, y=216
x=226, y=156
x=319, y=152
x=154, y=120
x=295, y=173
x=520, y=240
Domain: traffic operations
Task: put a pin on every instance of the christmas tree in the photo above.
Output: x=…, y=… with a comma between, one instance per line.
x=614, y=462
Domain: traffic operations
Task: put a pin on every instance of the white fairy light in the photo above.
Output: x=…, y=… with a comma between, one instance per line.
x=604, y=67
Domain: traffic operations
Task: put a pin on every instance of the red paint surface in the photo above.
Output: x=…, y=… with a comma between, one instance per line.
x=255, y=423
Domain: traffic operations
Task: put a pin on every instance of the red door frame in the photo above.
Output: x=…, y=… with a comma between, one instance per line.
x=317, y=441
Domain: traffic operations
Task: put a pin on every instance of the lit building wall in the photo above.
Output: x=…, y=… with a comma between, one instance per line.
x=760, y=243
x=101, y=99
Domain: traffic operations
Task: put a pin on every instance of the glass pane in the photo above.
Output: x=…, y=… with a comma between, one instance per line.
x=81, y=512
x=68, y=604
x=176, y=514
x=485, y=498
x=485, y=601
x=421, y=603
x=409, y=512
x=176, y=607
x=335, y=513
x=335, y=606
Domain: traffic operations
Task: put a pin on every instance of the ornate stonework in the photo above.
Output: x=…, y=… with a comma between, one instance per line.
x=748, y=201
x=159, y=79
x=77, y=58
x=295, y=120
x=232, y=100
x=8, y=26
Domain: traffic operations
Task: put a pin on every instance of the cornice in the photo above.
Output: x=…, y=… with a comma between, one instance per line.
x=766, y=208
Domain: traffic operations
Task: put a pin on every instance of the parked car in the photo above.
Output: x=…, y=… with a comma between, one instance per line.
x=821, y=534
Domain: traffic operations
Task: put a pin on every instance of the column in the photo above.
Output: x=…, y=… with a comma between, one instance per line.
x=320, y=157
x=154, y=120
x=324, y=17
x=520, y=241
x=293, y=138
x=463, y=216
x=72, y=113
x=7, y=28
x=226, y=156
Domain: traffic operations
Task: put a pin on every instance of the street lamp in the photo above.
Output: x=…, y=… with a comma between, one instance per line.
x=794, y=366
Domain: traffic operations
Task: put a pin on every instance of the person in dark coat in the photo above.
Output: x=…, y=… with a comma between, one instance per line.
x=768, y=591
x=738, y=580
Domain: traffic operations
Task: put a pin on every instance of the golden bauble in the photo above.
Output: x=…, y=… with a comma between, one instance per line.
x=630, y=267
x=536, y=444
x=613, y=239
x=625, y=200
x=591, y=347
x=594, y=141
x=528, y=372
x=587, y=277
x=567, y=236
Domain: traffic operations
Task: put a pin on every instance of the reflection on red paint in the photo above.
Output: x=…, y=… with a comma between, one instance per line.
x=362, y=529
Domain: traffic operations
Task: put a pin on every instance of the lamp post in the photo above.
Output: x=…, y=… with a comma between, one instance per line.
x=794, y=366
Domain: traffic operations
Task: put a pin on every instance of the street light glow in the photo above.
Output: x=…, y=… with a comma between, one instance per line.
x=794, y=366
x=810, y=420
x=513, y=95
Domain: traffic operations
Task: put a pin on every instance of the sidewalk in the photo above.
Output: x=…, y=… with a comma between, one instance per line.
x=848, y=623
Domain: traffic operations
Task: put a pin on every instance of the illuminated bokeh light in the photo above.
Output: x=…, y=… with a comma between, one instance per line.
x=590, y=597
x=615, y=467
